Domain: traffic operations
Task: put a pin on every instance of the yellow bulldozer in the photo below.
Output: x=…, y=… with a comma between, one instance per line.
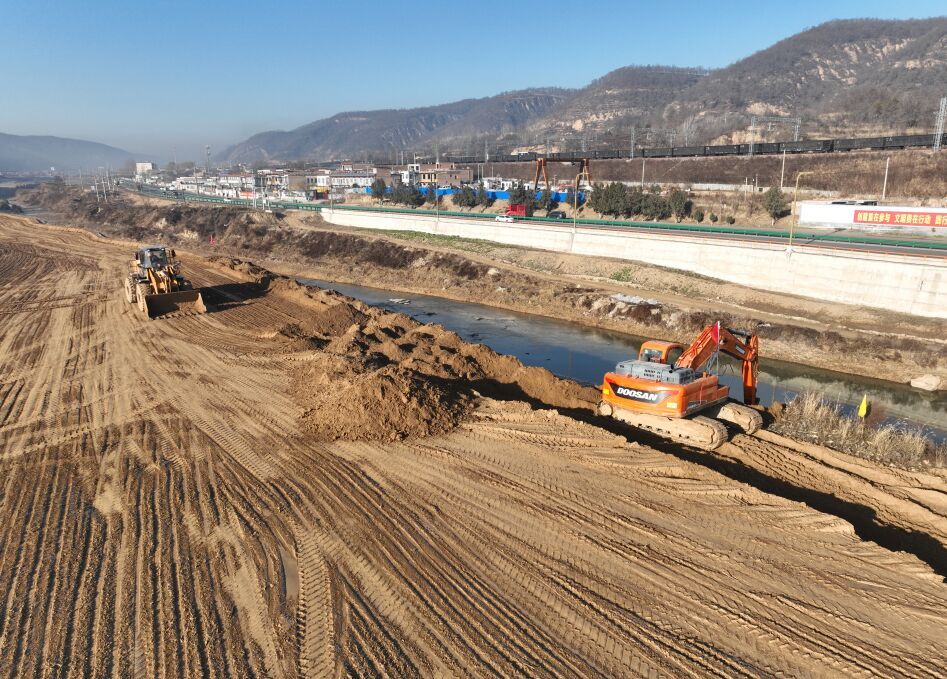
x=156, y=284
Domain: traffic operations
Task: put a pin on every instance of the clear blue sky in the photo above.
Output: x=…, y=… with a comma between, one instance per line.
x=158, y=76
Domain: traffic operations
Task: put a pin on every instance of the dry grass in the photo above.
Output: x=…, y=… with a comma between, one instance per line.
x=808, y=417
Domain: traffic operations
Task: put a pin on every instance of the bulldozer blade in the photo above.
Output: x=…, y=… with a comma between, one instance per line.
x=184, y=301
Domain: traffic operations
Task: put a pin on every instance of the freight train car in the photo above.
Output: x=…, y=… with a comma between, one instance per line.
x=766, y=147
x=905, y=141
x=859, y=144
x=806, y=146
x=687, y=151
x=723, y=150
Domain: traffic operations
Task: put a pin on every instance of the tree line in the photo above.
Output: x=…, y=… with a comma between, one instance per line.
x=617, y=200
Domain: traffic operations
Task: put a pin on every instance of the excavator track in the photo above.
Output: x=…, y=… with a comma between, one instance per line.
x=744, y=417
x=701, y=432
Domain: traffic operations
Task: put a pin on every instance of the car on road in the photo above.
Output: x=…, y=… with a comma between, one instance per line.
x=504, y=218
x=557, y=214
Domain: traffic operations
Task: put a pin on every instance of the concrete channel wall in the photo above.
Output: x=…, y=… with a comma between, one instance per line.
x=908, y=284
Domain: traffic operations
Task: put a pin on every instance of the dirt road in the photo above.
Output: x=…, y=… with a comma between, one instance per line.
x=170, y=509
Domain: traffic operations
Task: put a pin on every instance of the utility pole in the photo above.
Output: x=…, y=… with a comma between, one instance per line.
x=884, y=187
x=643, y=159
x=632, y=143
x=795, y=211
x=207, y=160
x=939, y=126
x=782, y=172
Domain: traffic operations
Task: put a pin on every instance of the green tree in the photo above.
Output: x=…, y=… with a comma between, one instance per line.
x=636, y=199
x=483, y=198
x=378, y=189
x=407, y=194
x=679, y=204
x=730, y=219
x=465, y=197
x=775, y=203
x=713, y=218
x=655, y=207
x=596, y=197
x=610, y=199
x=546, y=201
x=698, y=215
x=520, y=195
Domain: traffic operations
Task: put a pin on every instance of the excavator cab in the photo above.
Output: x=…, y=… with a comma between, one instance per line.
x=656, y=351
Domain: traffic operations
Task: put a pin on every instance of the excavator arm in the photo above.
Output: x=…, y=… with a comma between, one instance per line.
x=716, y=338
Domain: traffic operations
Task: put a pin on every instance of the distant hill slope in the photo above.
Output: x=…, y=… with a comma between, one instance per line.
x=843, y=77
x=850, y=77
x=348, y=133
x=37, y=154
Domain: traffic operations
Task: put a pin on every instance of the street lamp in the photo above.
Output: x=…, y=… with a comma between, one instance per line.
x=795, y=210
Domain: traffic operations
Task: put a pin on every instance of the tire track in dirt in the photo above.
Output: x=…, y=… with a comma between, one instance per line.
x=314, y=627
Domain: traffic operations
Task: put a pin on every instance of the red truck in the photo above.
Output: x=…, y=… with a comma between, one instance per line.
x=517, y=210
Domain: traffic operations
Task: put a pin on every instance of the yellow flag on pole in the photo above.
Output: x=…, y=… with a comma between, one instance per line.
x=863, y=408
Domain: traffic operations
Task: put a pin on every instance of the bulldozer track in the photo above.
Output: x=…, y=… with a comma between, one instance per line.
x=166, y=514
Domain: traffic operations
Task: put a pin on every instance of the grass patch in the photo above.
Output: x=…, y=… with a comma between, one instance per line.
x=623, y=275
x=807, y=417
x=456, y=242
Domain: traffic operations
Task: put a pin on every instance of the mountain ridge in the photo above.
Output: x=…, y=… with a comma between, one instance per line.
x=852, y=76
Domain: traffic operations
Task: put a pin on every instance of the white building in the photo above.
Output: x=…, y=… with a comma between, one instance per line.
x=347, y=179
x=142, y=169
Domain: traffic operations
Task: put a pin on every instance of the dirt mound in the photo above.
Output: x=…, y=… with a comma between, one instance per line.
x=389, y=377
x=249, y=270
x=348, y=400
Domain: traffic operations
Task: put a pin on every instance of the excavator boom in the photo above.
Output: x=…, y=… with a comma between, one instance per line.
x=716, y=338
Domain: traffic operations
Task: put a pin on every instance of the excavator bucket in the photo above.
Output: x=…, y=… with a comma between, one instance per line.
x=183, y=302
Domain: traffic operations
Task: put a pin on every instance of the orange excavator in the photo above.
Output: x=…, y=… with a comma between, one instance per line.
x=665, y=388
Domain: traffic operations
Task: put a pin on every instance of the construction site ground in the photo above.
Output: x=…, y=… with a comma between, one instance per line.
x=296, y=484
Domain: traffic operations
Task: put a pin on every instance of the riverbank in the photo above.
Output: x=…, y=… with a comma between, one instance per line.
x=617, y=295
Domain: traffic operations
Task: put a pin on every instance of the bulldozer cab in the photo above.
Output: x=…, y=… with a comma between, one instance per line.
x=155, y=257
x=656, y=351
x=160, y=289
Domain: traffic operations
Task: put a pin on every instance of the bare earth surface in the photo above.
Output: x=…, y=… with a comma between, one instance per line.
x=176, y=501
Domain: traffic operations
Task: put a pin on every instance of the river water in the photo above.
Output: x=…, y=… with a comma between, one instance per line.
x=585, y=354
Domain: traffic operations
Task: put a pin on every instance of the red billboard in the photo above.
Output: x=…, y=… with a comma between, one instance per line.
x=900, y=218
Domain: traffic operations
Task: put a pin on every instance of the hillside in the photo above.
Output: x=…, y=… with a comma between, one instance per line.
x=37, y=154
x=358, y=131
x=852, y=77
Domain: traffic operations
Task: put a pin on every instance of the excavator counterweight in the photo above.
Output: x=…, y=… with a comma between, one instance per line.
x=668, y=385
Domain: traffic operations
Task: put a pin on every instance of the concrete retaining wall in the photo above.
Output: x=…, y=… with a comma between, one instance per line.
x=903, y=283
